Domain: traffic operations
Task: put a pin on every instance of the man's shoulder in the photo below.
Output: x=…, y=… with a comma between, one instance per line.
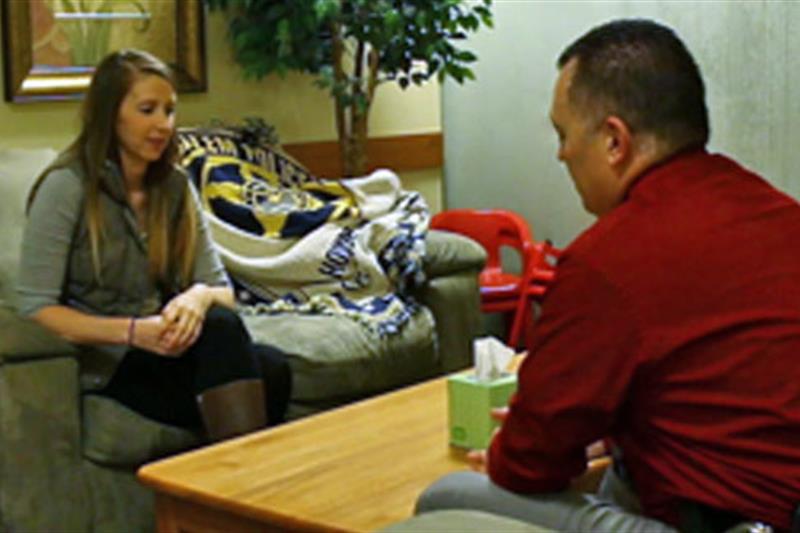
x=696, y=206
x=608, y=233
x=626, y=242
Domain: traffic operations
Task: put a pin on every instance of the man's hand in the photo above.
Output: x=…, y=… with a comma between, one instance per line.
x=499, y=413
x=185, y=314
x=596, y=449
x=479, y=459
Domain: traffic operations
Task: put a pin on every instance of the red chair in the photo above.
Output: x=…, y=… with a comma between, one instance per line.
x=501, y=290
x=544, y=271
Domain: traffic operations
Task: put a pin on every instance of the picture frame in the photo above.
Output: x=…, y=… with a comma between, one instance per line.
x=50, y=47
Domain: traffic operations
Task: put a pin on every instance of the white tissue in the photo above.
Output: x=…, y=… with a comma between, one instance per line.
x=491, y=358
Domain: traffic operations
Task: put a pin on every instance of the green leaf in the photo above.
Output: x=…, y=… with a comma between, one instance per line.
x=325, y=9
x=466, y=56
x=284, y=37
x=393, y=21
x=419, y=78
x=421, y=19
x=360, y=103
x=346, y=99
x=455, y=71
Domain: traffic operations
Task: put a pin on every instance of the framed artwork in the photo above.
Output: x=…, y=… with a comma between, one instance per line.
x=50, y=47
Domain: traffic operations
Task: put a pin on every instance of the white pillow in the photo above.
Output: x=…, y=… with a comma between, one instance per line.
x=18, y=169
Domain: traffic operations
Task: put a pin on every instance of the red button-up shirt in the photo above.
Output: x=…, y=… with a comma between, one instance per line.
x=673, y=326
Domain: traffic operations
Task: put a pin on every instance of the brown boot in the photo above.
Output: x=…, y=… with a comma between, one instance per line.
x=233, y=409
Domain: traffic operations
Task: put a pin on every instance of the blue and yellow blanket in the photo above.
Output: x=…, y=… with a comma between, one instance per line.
x=293, y=243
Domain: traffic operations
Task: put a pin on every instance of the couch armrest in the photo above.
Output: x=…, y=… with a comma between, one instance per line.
x=452, y=264
x=449, y=253
x=40, y=431
x=23, y=339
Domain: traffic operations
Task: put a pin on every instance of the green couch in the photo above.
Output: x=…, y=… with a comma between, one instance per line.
x=68, y=460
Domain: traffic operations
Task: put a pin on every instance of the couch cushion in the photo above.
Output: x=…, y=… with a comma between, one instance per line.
x=18, y=169
x=334, y=359
x=117, y=436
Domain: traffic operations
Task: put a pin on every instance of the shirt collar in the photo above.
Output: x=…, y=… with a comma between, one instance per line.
x=681, y=161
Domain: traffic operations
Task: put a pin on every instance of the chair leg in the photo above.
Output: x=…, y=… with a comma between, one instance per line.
x=521, y=319
x=233, y=408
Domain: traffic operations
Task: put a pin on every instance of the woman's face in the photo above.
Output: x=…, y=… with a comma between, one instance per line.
x=145, y=122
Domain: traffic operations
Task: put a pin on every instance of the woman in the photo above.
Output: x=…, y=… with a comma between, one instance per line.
x=116, y=255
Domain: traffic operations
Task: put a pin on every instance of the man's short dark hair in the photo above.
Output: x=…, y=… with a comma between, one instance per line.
x=641, y=72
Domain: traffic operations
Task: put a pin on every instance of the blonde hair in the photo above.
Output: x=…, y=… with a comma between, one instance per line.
x=171, y=250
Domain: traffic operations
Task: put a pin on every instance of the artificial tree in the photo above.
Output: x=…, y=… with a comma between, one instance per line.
x=353, y=46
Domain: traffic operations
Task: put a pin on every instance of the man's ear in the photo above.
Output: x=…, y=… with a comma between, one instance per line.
x=619, y=140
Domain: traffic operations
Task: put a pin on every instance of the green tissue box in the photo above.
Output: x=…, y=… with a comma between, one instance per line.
x=470, y=402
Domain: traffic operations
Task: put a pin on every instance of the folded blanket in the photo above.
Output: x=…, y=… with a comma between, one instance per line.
x=351, y=247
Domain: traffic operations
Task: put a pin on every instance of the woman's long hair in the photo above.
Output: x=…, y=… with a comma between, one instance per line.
x=171, y=247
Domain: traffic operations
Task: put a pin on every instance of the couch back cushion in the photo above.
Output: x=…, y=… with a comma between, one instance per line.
x=18, y=169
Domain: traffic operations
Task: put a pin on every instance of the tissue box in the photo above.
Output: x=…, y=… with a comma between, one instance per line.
x=470, y=402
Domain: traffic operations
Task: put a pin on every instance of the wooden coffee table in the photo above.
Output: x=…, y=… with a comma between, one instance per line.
x=357, y=468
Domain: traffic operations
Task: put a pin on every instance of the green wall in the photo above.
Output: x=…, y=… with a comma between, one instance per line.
x=499, y=145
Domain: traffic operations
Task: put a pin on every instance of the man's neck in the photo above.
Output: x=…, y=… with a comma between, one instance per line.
x=648, y=152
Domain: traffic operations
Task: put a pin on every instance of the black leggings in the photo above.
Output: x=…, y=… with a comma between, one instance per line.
x=166, y=388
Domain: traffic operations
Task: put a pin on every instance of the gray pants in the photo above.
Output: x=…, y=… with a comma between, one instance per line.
x=614, y=508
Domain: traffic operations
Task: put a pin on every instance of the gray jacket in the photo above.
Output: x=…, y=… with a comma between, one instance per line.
x=56, y=261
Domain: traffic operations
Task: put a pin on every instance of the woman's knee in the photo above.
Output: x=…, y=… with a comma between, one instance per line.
x=277, y=376
x=225, y=324
x=224, y=347
x=272, y=360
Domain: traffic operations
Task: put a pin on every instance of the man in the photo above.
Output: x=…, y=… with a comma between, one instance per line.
x=673, y=325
